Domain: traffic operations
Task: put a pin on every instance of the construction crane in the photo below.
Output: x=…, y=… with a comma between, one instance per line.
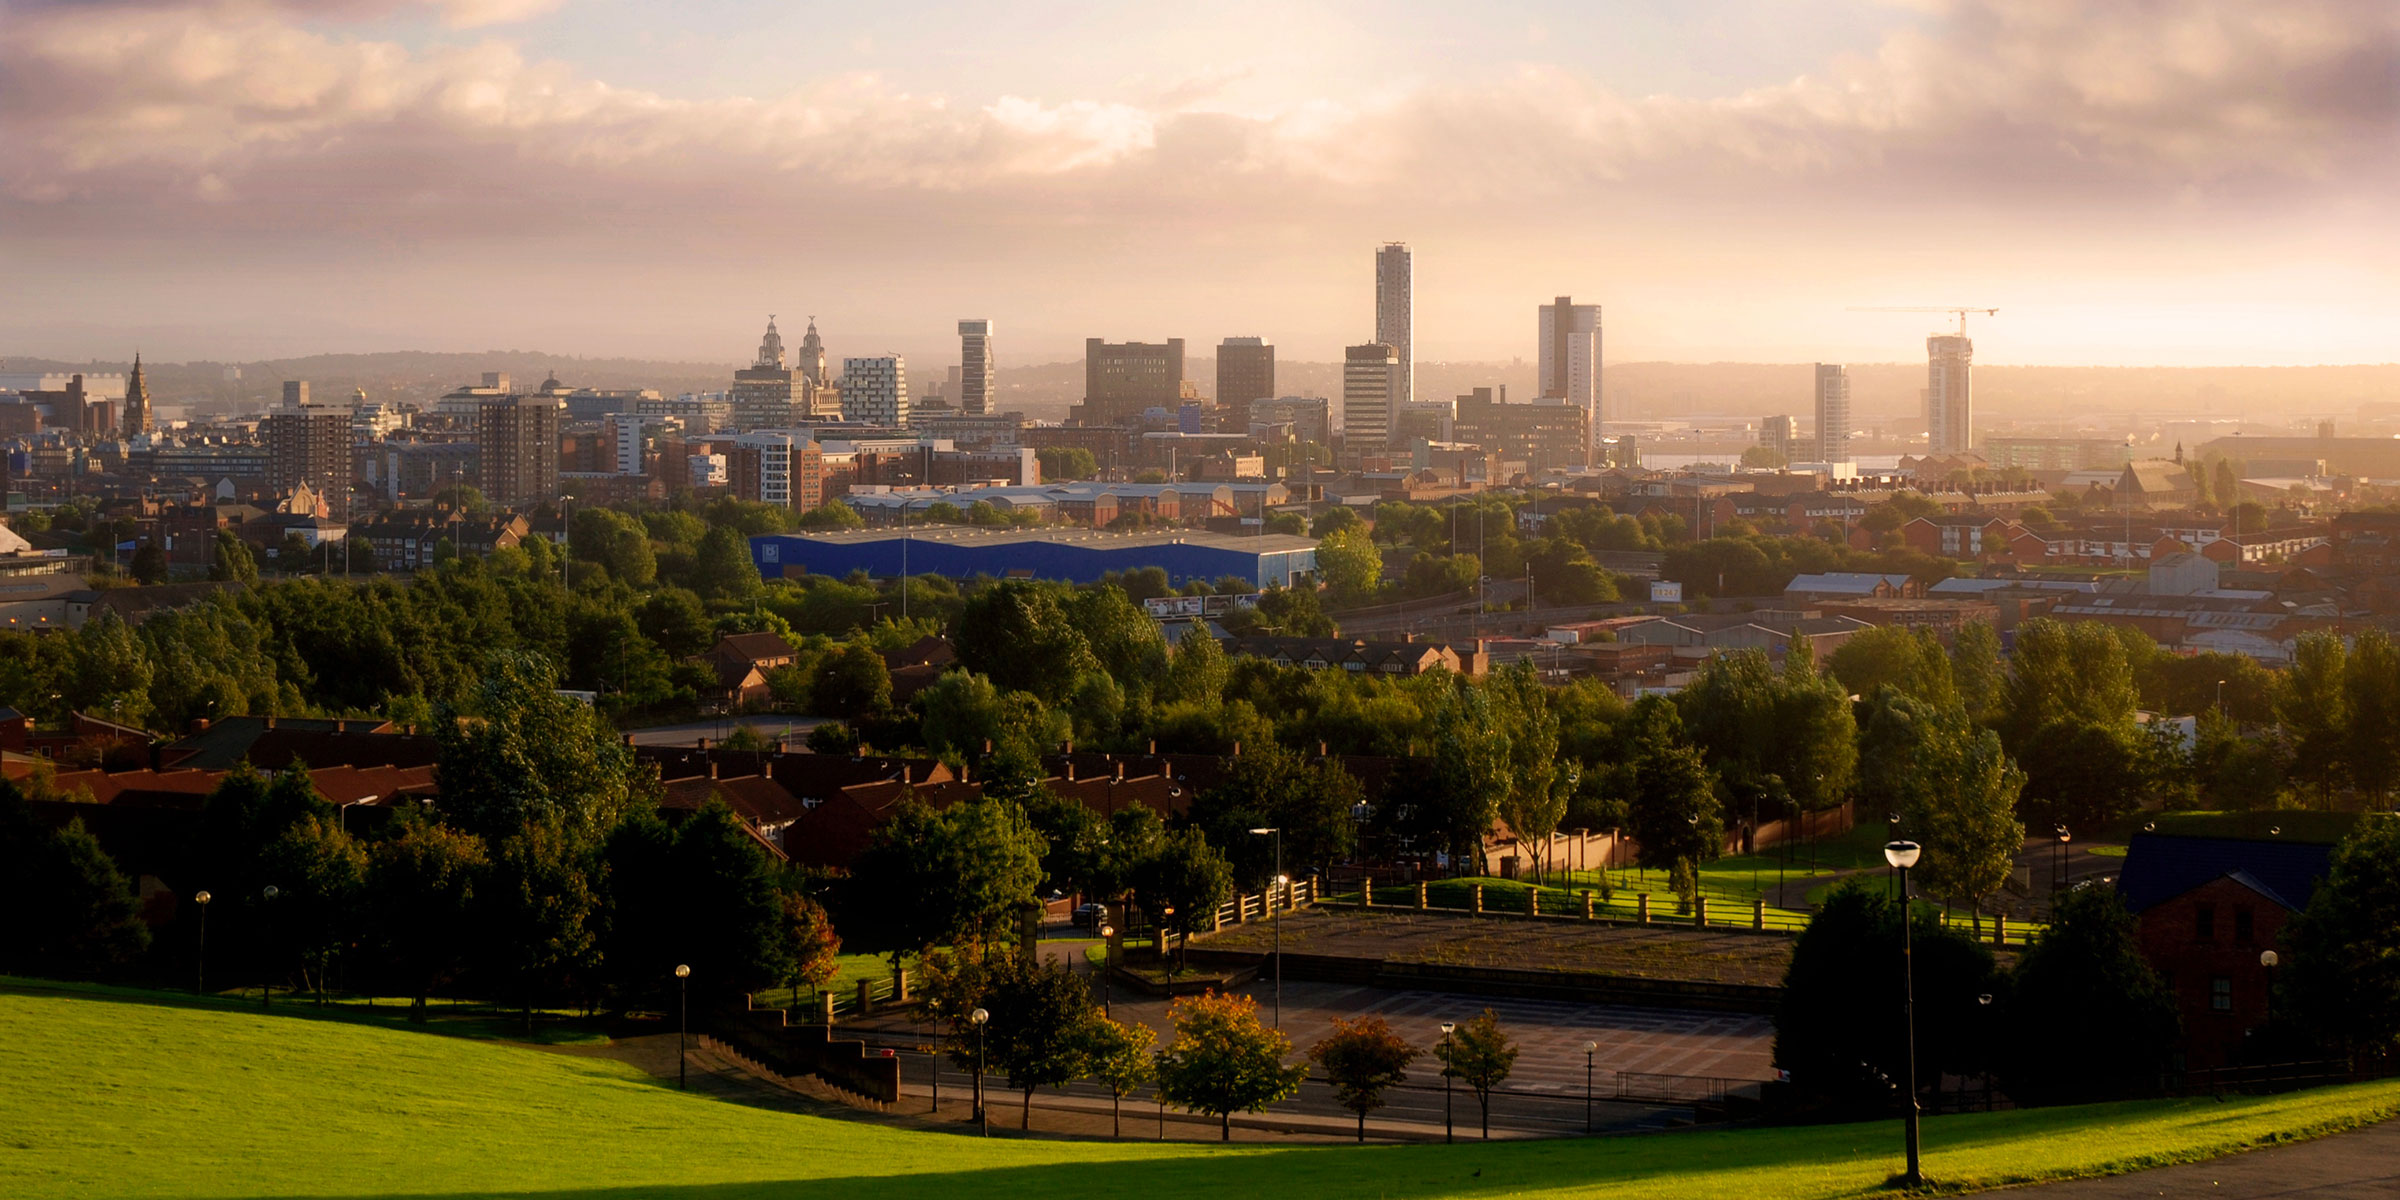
x=1957, y=310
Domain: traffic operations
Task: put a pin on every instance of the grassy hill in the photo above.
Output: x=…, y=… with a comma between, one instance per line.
x=115, y=1097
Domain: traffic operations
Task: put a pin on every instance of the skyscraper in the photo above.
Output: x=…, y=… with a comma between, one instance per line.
x=875, y=390
x=518, y=437
x=1775, y=436
x=1371, y=379
x=137, y=400
x=762, y=392
x=295, y=393
x=1245, y=376
x=1395, y=311
x=1949, y=394
x=974, y=367
x=309, y=446
x=1833, y=413
x=1122, y=379
x=1570, y=362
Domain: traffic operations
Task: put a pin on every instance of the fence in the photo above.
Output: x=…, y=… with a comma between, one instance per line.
x=1707, y=910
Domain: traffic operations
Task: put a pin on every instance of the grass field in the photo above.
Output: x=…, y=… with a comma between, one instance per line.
x=116, y=1097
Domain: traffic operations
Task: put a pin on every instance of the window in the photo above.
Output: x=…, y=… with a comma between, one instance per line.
x=2204, y=923
x=2241, y=926
x=2220, y=994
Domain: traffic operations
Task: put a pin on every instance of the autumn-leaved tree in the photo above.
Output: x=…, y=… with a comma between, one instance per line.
x=1362, y=1059
x=1480, y=1055
x=1223, y=1061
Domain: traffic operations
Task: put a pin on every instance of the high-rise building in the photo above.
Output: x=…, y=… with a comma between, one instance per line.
x=1546, y=435
x=875, y=390
x=762, y=392
x=975, y=370
x=1949, y=394
x=1570, y=361
x=1245, y=376
x=137, y=401
x=626, y=443
x=309, y=447
x=1371, y=379
x=1833, y=413
x=519, y=440
x=1395, y=311
x=812, y=356
x=1775, y=436
x=782, y=467
x=295, y=393
x=1122, y=380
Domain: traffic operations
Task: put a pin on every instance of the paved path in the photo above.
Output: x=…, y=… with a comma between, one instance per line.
x=2348, y=1166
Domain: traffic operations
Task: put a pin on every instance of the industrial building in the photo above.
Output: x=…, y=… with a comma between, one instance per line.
x=1073, y=555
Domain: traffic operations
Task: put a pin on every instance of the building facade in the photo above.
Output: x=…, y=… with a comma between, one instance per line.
x=1245, y=376
x=1775, y=435
x=875, y=390
x=975, y=370
x=519, y=437
x=1570, y=357
x=1372, y=379
x=1949, y=394
x=1833, y=413
x=1396, y=312
x=1121, y=380
x=782, y=467
x=310, y=447
x=137, y=401
x=762, y=392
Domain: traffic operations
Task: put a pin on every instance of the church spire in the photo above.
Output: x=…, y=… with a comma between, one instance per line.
x=137, y=400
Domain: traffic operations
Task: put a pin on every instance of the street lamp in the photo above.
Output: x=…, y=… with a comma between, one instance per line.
x=1589, y=1049
x=1276, y=832
x=1106, y=932
x=2269, y=959
x=1902, y=856
x=934, y=1006
x=1448, y=1132
x=979, y=1018
x=683, y=1017
x=2058, y=879
x=2220, y=698
x=200, y=982
x=266, y=989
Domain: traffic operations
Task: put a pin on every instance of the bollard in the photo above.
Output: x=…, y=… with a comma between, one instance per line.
x=1478, y=900
x=900, y=986
x=1420, y=893
x=1587, y=906
x=825, y=1008
x=1366, y=893
x=1758, y=916
x=1533, y=902
x=1642, y=908
x=1699, y=912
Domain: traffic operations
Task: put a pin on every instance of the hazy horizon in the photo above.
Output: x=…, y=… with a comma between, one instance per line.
x=2131, y=184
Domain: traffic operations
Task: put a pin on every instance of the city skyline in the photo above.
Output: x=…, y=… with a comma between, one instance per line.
x=2195, y=184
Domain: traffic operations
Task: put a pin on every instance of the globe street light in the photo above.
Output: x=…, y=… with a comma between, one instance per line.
x=1275, y=906
x=1106, y=932
x=1448, y=1027
x=1902, y=856
x=1589, y=1049
x=934, y=1006
x=2269, y=959
x=266, y=990
x=200, y=983
x=979, y=1018
x=683, y=1014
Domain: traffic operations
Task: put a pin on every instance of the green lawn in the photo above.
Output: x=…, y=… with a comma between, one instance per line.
x=116, y=1097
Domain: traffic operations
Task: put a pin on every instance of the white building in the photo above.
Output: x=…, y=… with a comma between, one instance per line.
x=975, y=367
x=1395, y=312
x=1372, y=378
x=1949, y=394
x=875, y=390
x=1833, y=413
x=625, y=440
x=1570, y=362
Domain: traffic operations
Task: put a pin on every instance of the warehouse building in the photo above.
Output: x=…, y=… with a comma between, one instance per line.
x=1073, y=555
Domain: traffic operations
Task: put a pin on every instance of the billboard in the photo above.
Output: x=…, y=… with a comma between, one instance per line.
x=1185, y=608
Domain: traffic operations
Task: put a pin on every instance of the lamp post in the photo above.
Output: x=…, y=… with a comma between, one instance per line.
x=683, y=1018
x=1276, y=832
x=1106, y=932
x=2269, y=959
x=1589, y=1049
x=2058, y=878
x=266, y=989
x=200, y=980
x=934, y=1006
x=979, y=1018
x=1448, y=1131
x=2220, y=698
x=1902, y=856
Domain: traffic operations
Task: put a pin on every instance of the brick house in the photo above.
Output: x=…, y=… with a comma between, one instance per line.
x=2206, y=909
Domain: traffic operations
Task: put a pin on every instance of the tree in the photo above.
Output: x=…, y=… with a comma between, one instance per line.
x=674, y=620
x=2082, y=773
x=1672, y=807
x=1021, y=636
x=2072, y=672
x=72, y=912
x=419, y=904
x=149, y=563
x=615, y=541
x=722, y=568
x=1285, y=612
x=851, y=681
x=2371, y=702
x=1335, y=519
x=814, y=949
x=1035, y=1035
x=536, y=908
x=1223, y=1061
x=1185, y=875
x=1755, y=723
x=2227, y=491
x=320, y=874
x=1063, y=464
x=1349, y=563
x=1362, y=1059
x=292, y=554
x=230, y=559
x=1479, y=1055
x=2343, y=981
x=1196, y=668
x=1269, y=786
x=2312, y=705
x=833, y=514
x=1954, y=788
x=528, y=754
x=1839, y=1026
x=1975, y=669
x=2088, y=1019
x=1911, y=660
x=1117, y=1054
x=1468, y=776
x=927, y=877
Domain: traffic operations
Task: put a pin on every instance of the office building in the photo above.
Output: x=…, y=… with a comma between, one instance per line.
x=1547, y=435
x=1949, y=394
x=1122, y=380
x=975, y=369
x=1371, y=381
x=1570, y=359
x=309, y=447
x=1395, y=312
x=1833, y=413
x=875, y=390
x=295, y=393
x=519, y=440
x=812, y=356
x=1309, y=418
x=137, y=401
x=1245, y=376
x=1775, y=435
x=762, y=392
x=626, y=443
x=782, y=467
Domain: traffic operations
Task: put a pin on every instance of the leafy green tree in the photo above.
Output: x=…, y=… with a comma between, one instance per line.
x=2227, y=491
x=1313, y=804
x=2342, y=986
x=1335, y=519
x=230, y=559
x=1021, y=636
x=72, y=911
x=527, y=754
x=292, y=554
x=1196, y=669
x=702, y=893
x=149, y=565
x=1283, y=612
x=1954, y=788
x=1117, y=1055
x=2313, y=707
x=722, y=568
x=1223, y=1061
x=1672, y=808
x=1186, y=874
x=930, y=877
x=419, y=903
x=1480, y=1055
x=674, y=621
x=964, y=713
x=1036, y=1032
x=1911, y=660
x=1754, y=723
x=2088, y=1019
x=535, y=911
x=1123, y=639
x=833, y=514
x=1976, y=671
x=1461, y=789
x=2371, y=703
x=1540, y=782
x=1063, y=464
x=1349, y=563
x=2233, y=772
x=321, y=875
x=617, y=542
x=851, y=681
x=2076, y=673
x=1839, y=1026
x=108, y=671
x=1362, y=1059
x=2082, y=773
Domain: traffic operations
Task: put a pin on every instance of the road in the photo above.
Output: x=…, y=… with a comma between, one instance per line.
x=769, y=726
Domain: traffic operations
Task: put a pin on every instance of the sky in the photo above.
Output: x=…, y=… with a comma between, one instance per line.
x=2136, y=182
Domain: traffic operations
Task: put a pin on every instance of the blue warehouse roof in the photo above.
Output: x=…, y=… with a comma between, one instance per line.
x=1074, y=555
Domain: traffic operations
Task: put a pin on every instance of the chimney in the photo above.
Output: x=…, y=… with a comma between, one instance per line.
x=629, y=741
x=1153, y=745
x=962, y=774
x=779, y=745
x=1067, y=772
x=1321, y=750
x=199, y=725
x=766, y=768
x=1067, y=746
x=1120, y=772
